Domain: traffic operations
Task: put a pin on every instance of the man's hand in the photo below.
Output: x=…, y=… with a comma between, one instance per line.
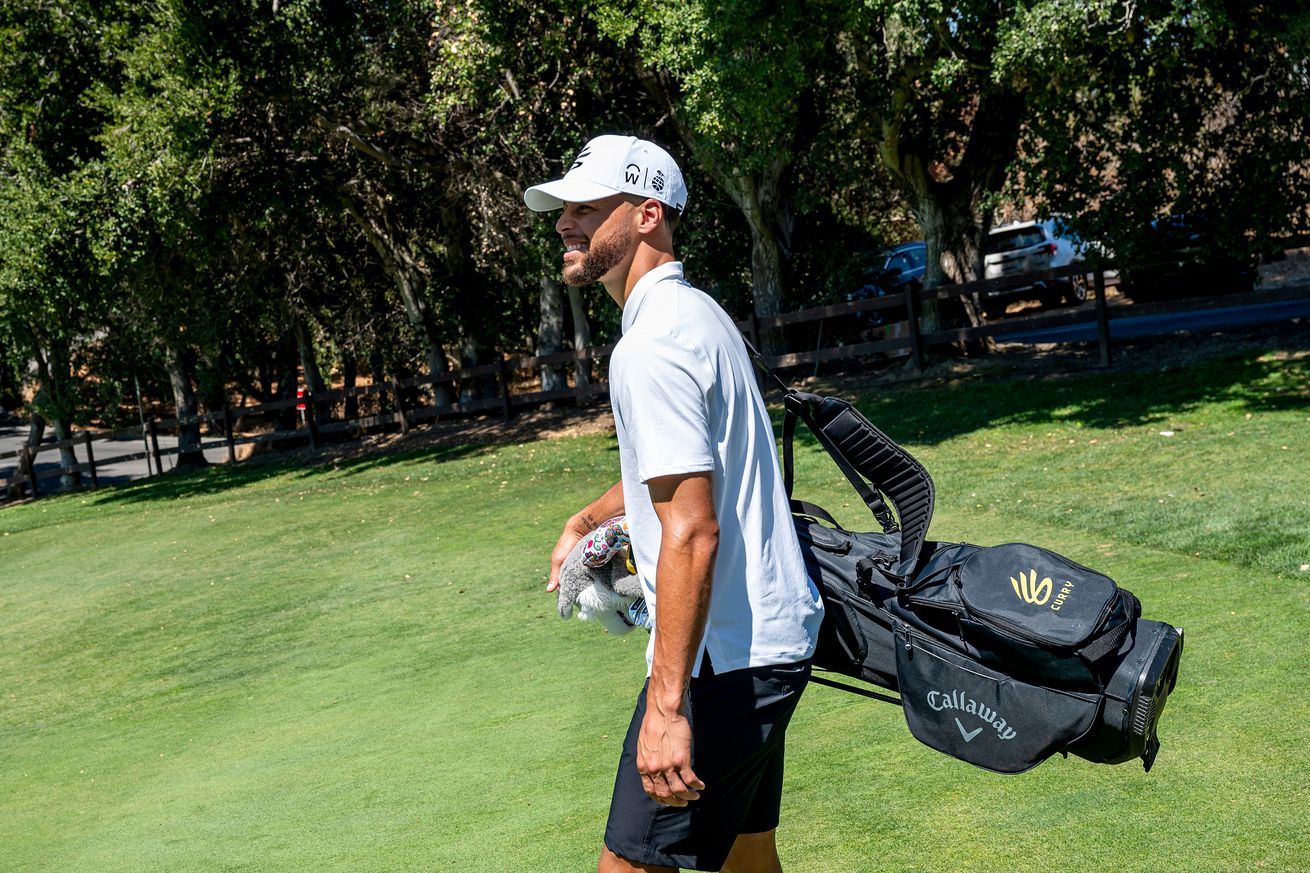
x=567, y=541
x=664, y=758
x=599, y=510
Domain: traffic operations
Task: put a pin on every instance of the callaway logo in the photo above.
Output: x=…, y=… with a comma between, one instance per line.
x=941, y=700
x=577, y=162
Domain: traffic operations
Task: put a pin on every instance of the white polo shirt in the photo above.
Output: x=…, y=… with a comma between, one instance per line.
x=685, y=401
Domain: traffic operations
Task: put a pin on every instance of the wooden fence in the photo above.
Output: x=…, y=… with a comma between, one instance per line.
x=902, y=316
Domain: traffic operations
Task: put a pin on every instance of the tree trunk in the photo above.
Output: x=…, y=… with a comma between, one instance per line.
x=581, y=336
x=550, y=333
x=474, y=352
x=763, y=201
x=949, y=196
x=398, y=260
x=189, y=454
x=67, y=456
x=309, y=364
x=35, y=429
x=349, y=379
x=56, y=395
x=951, y=230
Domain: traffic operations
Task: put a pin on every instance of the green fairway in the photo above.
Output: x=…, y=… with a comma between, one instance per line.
x=356, y=668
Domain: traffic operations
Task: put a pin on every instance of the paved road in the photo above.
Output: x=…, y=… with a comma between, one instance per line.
x=13, y=434
x=1131, y=326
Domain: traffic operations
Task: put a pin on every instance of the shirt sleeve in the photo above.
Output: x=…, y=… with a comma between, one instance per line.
x=662, y=399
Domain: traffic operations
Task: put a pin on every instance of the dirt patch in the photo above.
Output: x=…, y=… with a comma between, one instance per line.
x=1293, y=269
x=1022, y=361
x=1009, y=361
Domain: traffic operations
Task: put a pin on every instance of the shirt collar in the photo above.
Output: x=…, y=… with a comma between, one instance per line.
x=671, y=270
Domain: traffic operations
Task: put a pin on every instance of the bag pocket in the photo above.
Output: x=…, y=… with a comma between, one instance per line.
x=969, y=711
x=1034, y=613
x=1037, y=596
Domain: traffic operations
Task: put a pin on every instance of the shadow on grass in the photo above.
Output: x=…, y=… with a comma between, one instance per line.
x=1103, y=400
x=915, y=415
x=301, y=464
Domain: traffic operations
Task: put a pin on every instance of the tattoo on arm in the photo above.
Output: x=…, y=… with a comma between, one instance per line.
x=589, y=522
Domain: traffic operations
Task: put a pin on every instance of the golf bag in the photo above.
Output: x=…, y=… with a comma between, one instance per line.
x=1002, y=656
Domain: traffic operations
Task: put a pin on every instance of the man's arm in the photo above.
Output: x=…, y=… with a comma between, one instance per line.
x=578, y=526
x=685, y=571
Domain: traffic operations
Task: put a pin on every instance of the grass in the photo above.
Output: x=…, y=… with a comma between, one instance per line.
x=354, y=667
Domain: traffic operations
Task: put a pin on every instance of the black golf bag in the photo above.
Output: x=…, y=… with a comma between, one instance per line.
x=1002, y=656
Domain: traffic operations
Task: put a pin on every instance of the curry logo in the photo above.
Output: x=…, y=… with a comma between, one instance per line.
x=1032, y=591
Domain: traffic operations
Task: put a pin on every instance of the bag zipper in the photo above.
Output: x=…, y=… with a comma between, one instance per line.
x=1023, y=633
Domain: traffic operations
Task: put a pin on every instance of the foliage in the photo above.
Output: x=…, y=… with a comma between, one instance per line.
x=1160, y=109
x=213, y=197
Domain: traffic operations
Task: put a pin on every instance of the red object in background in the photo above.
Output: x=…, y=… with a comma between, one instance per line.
x=300, y=394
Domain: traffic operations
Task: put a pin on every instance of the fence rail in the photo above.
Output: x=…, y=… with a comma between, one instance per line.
x=902, y=337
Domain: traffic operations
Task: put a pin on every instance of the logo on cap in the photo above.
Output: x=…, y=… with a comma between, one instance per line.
x=577, y=162
x=658, y=181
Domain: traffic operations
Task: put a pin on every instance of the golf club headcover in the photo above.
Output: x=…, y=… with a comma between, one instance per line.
x=596, y=578
x=602, y=545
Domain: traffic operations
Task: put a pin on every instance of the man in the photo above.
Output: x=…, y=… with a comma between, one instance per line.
x=736, y=616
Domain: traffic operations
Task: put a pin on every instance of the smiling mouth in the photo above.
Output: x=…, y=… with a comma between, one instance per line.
x=575, y=248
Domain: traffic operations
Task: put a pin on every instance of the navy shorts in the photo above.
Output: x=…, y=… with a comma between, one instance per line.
x=738, y=724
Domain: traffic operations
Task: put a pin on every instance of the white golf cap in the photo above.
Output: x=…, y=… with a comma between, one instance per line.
x=610, y=165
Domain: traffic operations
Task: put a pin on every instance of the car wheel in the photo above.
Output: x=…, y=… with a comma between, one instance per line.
x=1078, y=290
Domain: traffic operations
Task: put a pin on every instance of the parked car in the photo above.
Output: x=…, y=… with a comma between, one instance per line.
x=1070, y=248
x=1032, y=246
x=897, y=269
x=1178, y=256
x=1013, y=250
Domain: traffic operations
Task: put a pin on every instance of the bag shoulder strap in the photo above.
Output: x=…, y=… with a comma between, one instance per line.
x=796, y=407
x=887, y=467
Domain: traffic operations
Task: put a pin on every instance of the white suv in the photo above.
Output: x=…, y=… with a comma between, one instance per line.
x=1027, y=247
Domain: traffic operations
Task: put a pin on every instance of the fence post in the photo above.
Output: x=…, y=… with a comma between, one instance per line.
x=227, y=432
x=25, y=456
x=153, y=430
x=400, y=406
x=91, y=459
x=912, y=320
x=311, y=419
x=504, y=387
x=1102, y=317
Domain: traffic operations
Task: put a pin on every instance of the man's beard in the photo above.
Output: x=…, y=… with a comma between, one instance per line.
x=602, y=255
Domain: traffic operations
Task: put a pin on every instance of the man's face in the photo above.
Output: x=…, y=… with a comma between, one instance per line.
x=598, y=237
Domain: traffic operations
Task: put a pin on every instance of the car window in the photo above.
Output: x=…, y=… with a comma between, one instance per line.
x=899, y=261
x=1008, y=240
x=918, y=256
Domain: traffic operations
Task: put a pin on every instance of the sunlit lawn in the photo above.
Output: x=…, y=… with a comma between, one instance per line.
x=355, y=667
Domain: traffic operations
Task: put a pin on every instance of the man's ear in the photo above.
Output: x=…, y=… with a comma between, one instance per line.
x=650, y=216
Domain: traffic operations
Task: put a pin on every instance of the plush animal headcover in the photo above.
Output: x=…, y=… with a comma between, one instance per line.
x=599, y=577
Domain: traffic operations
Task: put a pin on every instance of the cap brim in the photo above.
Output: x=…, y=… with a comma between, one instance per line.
x=553, y=195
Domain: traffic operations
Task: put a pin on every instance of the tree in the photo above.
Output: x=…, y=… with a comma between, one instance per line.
x=1156, y=110
x=51, y=191
x=1121, y=109
x=743, y=83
